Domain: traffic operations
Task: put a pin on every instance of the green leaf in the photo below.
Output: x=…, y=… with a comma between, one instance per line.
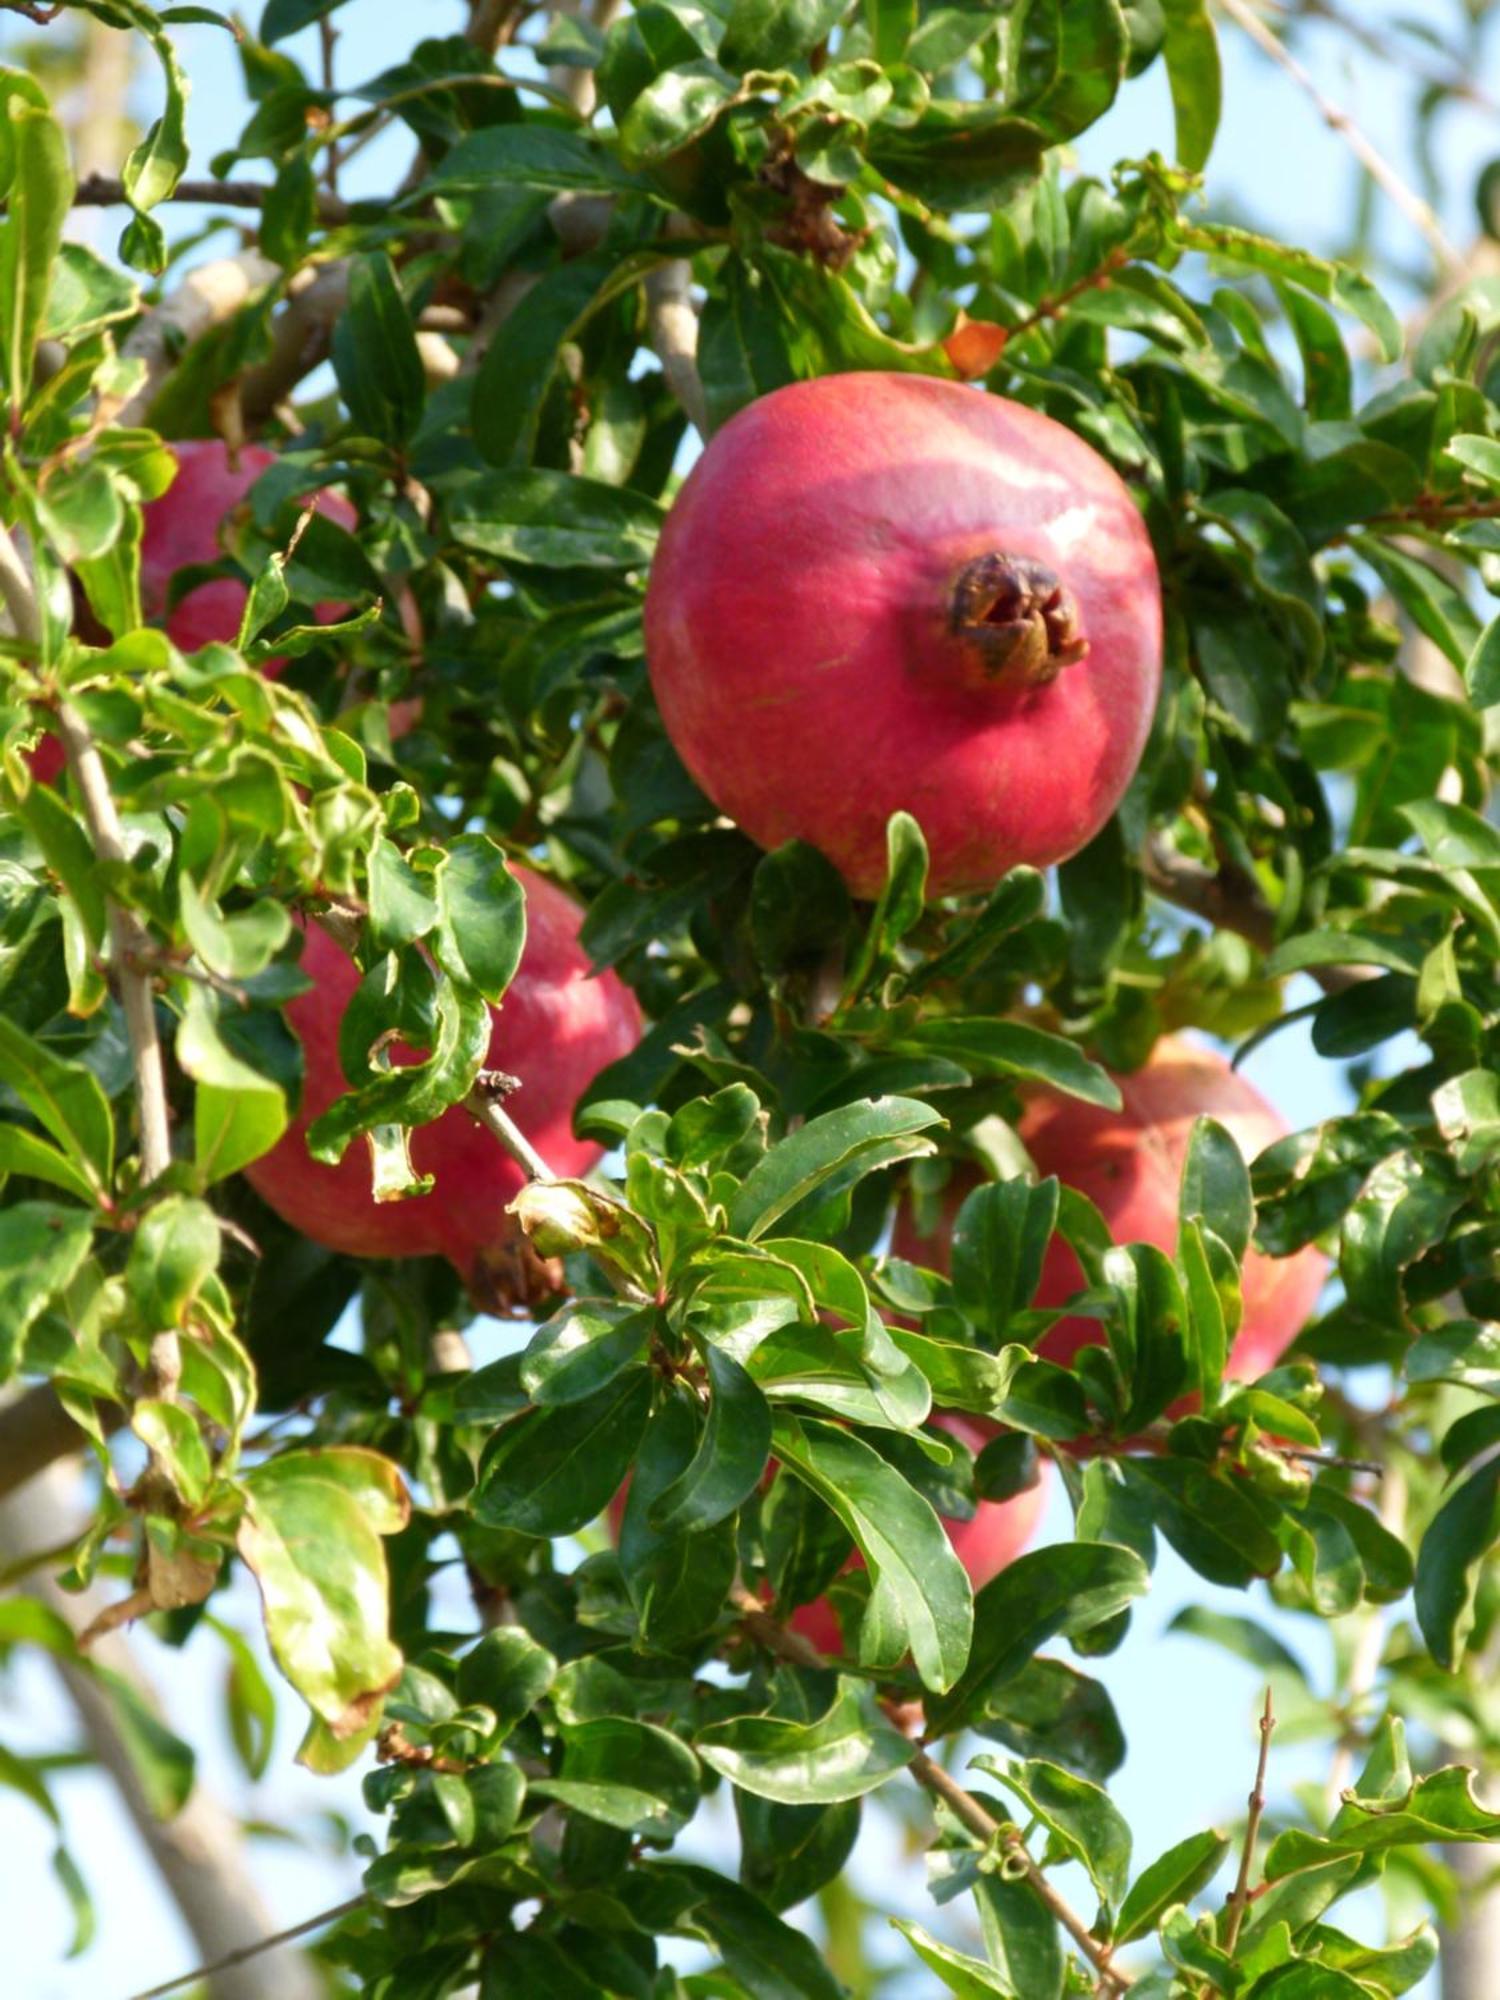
x=901, y=899
x=555, y=520
x=1051, y=1710
x=969, y=1978
x=172, y=1435
x=1482, y=667
x=799, y=908
x=375, y=353
x=22, y=1152
x=918, y=1581
x=1337, y=283
x=845, y=1753
x=551, y=1471
x=1000, y=1237
x=582, y=1348
x=628, y=1774
x=772, y=34
x=507, y=1672
x=1195, y=74
x=1021, y=1937
x=41, y=193
x=540, y=157
x=676, y=1580
x=65, y=1098
x=731, y=1458
x=1213, y=1522
x=311, y=1532
x=511, y=387
x=1403, y=1210
x=675, y=109
x=764, y=1956
x=1216, y=1186
x=1078, y=1814
x=1177, y=1876
x=173, y=1254
x=959, y=155
x=42, y=1248
x=830, y=1153
x=161, y=1761
x=1439, y=1807
x=1015, y=1049
x=1458, y=1539
x=1048, y=1591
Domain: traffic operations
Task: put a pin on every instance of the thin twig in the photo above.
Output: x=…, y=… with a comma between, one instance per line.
x=1334, y=1459
x=328, y=36
x=106, y=191
x=1418, y=212
x=233, y=1958
x=486, y=1103
x=1451, y=82
x=673, y=322
x=1239, y=1900
x=940, y=1784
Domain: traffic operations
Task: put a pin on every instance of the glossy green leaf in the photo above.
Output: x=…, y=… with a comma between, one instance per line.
x=731, y=1456
x=828, y=1154
x=911, y=1562
x=552, y=1470
x=841, y=1755
x=1177, y=1876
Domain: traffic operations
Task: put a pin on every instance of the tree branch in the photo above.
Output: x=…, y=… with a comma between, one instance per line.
x=106, y=191
x=1417, y=212
x=1239, y=1899
x=249, y=1951
x=1229, y=902
x=673, y=321
x=205, y=298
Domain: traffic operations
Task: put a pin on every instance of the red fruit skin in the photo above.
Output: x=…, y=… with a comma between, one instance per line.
x=1129, y=1164
x=989, y=1542
x=556, y=1029
x=798, y=636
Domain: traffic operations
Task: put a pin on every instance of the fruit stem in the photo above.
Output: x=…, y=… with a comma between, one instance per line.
x=1019, y=618
x=486, y=1103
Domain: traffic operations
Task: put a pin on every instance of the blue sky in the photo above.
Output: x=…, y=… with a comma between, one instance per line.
x=1187, y=1710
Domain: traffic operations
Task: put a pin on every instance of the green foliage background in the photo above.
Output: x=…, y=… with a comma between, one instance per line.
x=886, y=186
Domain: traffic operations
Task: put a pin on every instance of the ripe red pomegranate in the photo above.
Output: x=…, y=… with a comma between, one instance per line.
x=1129, y=1164
x=882, y=591
x=997, y=1532
x=556, y=1029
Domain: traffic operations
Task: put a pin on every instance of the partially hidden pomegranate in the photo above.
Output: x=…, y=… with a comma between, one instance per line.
x=991, y=1539
x=1129, y=1164
x=996, y=1533
x=880, y=591
x=556, y=1028
x=184, y=528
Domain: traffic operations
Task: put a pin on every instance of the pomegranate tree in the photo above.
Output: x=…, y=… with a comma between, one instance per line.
x=1129, y=1164
x=556, y=1029
x=879, y=592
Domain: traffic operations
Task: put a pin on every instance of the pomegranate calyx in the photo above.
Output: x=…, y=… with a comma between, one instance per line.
x=1018, y=616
